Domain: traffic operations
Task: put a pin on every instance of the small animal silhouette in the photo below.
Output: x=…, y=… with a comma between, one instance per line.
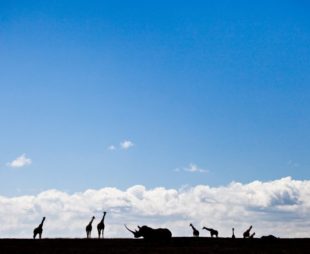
x=233, y=233
x=212, y=231
x=100, y=226
x=252, y=235
x=38, y=230
x=246, y=233
x=89, y=227
x=195, y=231
x=269, y=237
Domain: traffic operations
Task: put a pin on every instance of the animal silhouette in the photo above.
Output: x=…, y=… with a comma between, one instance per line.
x=158, y=234
x=233, y=233
x=246, y=233
x=100, y=226
x=252, y=235
x=38, y=230
x=195, y=231
x=212, y=231
x=89, y=227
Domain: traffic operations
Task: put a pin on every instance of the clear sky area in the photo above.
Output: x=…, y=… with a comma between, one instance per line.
x=141, y=95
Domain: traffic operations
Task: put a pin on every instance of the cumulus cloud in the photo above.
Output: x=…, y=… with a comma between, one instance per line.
x=126, y=144
x=19, y=162
x=280, y=207
x=192, y=168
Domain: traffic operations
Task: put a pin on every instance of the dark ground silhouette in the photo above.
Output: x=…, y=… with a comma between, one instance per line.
x=177, y=245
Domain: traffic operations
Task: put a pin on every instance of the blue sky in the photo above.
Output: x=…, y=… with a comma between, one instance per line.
x=219, y=87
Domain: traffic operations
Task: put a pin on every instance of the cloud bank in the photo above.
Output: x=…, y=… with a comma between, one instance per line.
x=280, y=207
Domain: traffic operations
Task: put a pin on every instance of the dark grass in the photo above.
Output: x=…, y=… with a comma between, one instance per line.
x=178, y=245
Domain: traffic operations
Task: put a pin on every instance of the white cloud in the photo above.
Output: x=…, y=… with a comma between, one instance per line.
x=126, y=144
x=280, y=207
x=19, y=162
x=111, y=148
x=192, y=168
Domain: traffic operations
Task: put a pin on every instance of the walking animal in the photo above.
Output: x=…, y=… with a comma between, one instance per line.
x=212, y=231
x=162, y=234
x=38, y=230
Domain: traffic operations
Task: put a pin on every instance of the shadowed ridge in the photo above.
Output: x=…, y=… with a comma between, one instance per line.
x=269, y=237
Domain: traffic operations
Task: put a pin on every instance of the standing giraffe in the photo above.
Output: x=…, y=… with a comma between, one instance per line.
x=246, y=233
x=212, y=231
x=195, y=231
x=38, y=230
x=233, y=233
x=100, y=226
x=89, y=227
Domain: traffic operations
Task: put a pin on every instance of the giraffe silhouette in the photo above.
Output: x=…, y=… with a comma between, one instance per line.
x=252, y=235
x=38, y=230
x=212, y=231
x=195, y=231
x=100, y=226
x=89, y=227
x=233, y=233
x=246, y=233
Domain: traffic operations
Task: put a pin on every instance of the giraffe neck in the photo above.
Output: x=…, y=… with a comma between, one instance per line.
x=103, y=218
x=91, y=221
x=41, y=224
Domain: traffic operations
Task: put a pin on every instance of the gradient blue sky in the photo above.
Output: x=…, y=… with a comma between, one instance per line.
x=223, y=85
